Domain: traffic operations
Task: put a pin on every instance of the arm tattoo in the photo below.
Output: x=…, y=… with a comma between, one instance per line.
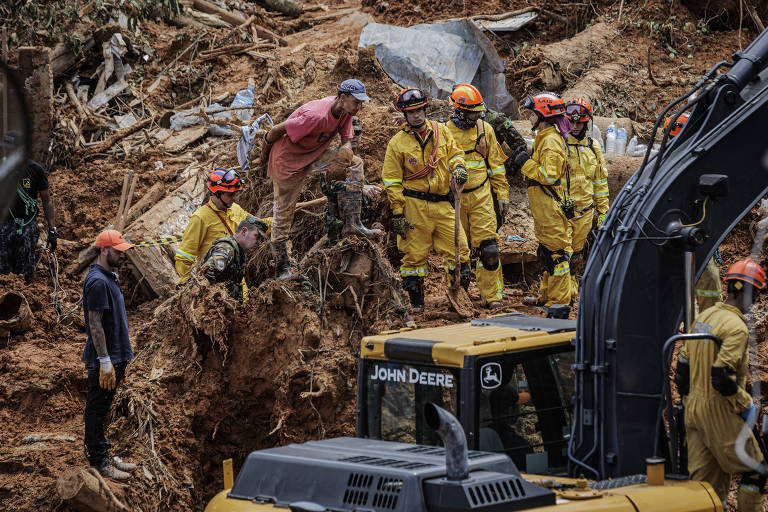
x=97, y=332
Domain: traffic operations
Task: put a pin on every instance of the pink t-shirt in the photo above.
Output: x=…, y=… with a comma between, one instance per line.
x=309, y=131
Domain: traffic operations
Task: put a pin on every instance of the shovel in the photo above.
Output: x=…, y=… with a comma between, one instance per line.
x=457, y=296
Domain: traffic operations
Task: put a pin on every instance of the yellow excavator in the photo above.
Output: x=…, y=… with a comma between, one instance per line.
x=521, y=413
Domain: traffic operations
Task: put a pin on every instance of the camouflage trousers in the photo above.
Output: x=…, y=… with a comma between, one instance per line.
x=334, y=217
x=17, y=251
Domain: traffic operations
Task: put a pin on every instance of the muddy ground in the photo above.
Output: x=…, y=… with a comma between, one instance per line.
x=213, y=379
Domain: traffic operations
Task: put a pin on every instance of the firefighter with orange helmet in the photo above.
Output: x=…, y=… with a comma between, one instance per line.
x=421, y=162
x=588, y=177
x=217, y=218
x=549, y=197
x=678, y=124
x=484, y=160
x=712, y=379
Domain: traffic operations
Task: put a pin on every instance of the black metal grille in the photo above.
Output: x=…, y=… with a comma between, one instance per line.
x=357, y=485
x=436, y=450
x=501, y=491
x=392, y=463
x=387, y=491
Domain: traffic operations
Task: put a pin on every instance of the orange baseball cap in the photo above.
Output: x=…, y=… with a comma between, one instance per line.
x=112, y=238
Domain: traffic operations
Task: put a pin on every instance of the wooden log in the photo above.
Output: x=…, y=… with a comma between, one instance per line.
x=591, y=84
x=569, y=57
x=152, y=196
x=237, y=20
x=120, y=134
x=289, y=7
x=85, y=490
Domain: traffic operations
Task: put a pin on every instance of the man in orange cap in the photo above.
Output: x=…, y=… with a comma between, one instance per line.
x=107, y=350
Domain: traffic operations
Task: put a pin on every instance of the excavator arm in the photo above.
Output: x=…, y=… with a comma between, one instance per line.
x=662, y=228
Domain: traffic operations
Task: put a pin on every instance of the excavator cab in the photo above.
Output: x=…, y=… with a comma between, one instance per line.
x=508, y=379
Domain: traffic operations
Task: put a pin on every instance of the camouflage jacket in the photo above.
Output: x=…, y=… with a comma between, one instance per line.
x=504, y=130
x=225, y=263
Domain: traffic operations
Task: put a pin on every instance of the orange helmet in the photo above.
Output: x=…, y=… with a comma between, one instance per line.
x=545, y=104
x=410, y=98
x=224, y=180
x=678, y=127
x=578, y=109
x=747, y=270
x=467, y=97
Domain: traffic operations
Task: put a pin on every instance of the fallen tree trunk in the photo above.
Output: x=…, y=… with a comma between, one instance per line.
x=590, y=85
x=289, y=7
x=86, y=491
x=147, y=201
x=570, y=56
x=236, y=20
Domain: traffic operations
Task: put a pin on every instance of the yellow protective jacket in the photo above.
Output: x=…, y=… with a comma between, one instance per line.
x=407, y=154
x=203, y=229
x=589, y=175
x=475, y=153
x=727, y=323
x=547, y=164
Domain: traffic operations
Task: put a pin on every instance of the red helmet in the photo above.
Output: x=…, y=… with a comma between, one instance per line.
x=545, y=104
x=467, y=97
x=747, y=270
x=578, y=109
x=224, y=180
x=679, y=123
x=411, y=98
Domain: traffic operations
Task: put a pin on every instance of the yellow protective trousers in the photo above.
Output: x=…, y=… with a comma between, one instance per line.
x=552, y=230
x=578, y=230
x=478, y=219
x=709, y=287
x=433, y=227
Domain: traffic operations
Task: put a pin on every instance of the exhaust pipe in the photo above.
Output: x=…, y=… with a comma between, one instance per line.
x=452, y=434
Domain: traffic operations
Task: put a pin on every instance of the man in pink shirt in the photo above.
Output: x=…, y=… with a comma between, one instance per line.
x=291, y=148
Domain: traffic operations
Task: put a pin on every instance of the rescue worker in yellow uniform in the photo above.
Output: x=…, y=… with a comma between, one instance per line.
x=711, y=379
x=589, y=179
x=547, y=179
x=421, y=163
x=708, y=290
x=487, y=182
x=217, y=218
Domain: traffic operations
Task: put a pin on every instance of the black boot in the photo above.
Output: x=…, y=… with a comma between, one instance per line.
x=282, y=261
x=415, y=288
x=558, y=311
x=351, y=203
x=465, y=274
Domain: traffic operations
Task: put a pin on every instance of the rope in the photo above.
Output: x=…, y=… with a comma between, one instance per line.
x=59, y=294
x=30, y=208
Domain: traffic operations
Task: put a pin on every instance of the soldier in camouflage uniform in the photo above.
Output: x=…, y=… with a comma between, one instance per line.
x=225, y=260
x=505, y=133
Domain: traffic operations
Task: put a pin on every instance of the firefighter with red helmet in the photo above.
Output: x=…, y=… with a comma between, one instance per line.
x=712, y=379
x=421, y=161
x=588, y=177
x=549, y=197
x=487, y=183
x=217, y=218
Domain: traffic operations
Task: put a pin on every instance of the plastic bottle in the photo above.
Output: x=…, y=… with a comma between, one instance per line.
x=610, y=138
x=640, y=150
x=597, y=136
x=632, y=146
x=621, y=140
x=244, y=98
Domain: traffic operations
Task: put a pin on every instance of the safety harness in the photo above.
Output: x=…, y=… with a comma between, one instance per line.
x=30, y=208
x=428, y=170
x=481, y=147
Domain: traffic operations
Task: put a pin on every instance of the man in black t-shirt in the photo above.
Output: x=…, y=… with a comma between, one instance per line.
x=19, y=231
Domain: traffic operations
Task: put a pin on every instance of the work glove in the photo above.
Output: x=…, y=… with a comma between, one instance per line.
x=520, y=158
x=460, y=175
x=503, y=208
x=600, y=219
x=106, y=373
x=749, y=412
x=400, y=225
x=53, y=241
